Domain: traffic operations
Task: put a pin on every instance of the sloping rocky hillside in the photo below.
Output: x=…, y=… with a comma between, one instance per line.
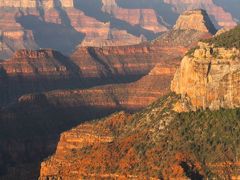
x=162, y=141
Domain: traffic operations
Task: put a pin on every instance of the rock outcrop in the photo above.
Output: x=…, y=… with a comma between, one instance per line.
x=221, y=17
x=209, y=78
x=75, y=149
x=196, y=20
x=33, y=71
x=147, y=18
x=124, y=146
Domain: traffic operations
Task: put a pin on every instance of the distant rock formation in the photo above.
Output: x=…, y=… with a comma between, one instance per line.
x=32, y=71
x=195, y=20
x=36, y=3
x=221, y=17
x=37, y=19
x=34, y=23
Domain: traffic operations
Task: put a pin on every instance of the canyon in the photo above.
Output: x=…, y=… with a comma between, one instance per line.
x=33, y=71
x=66, y=25
x=86, y=91
x=132, y=146
x=50, y=93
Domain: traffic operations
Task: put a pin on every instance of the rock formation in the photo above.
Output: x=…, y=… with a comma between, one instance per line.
x=196, y=20
x=33, y=71
x=49, y=94
x=44, y=17
x=147, y=18
x=44, y=70
x=82, y=24
x=222, y=18
x=214, y=80
x=133, y=146
x=124, y=146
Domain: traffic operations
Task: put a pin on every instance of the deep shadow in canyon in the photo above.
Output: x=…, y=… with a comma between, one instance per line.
x=30, y=131
x=93, y=9
x=60, y=37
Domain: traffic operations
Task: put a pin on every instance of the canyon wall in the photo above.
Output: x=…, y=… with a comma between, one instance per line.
x=31, y=71
x=214, y=80
x=84, y=23
x=43, y=18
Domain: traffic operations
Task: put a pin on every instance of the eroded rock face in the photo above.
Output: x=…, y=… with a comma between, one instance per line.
x=223, y=18
x=12, y=35
x=33, y=71
x=104, y=23
x=36, y=3
x=146, y=18
x=44, y=70
x=42, y=19
x=83, y=136
x=32, y=63
x=196, y=20
x=210, y=78
x=155, y=61
x=110, y=148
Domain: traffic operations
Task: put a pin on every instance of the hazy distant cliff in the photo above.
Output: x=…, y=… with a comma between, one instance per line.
x=97, y=23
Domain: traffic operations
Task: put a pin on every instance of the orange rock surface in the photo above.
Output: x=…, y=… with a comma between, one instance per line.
x=214, y=80
x=112, y=25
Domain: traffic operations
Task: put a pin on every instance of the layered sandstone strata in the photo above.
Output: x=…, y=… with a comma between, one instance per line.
x=130, y=96
x=110, y=26
x=223, y=18
x=47, y=16
x=196, y=20
x=146, y=18
x=84, y=136
x=214, y=80
x=36, y=3
x=49, y=113
x=33, y=71
x=12, y=35
x=29, y=70
x=116, y=147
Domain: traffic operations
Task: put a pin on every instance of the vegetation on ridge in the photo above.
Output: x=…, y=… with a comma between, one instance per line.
x=210, y=138
x=160, y=143
x=229, y=39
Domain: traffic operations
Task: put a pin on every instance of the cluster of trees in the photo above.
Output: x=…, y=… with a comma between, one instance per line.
x=229, y=39
x=199, y=145
x=210, y=138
